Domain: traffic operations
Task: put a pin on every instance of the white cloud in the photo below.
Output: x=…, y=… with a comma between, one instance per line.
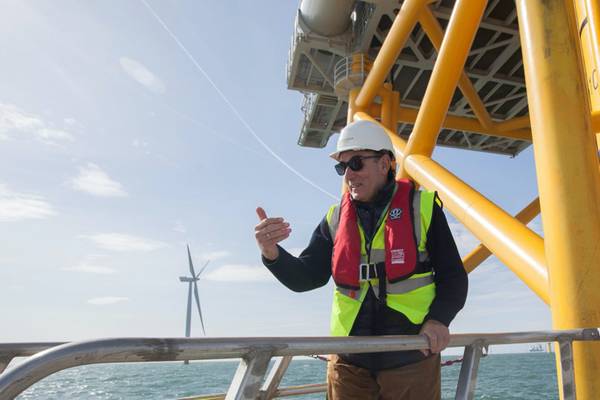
x=14, y=121
x=92, y=179
x=49, y=135
x=124, y=242
x=239, y=273
x=215, y=255
x=465, y=241
x=89, y=268
x=142, y=75
x=91, y=264
x=139, y=143
x=18, y=206
x=495, y=296
x=103, y=301
x=179, y=227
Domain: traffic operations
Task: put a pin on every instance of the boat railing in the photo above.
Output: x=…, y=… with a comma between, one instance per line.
x=253, y=380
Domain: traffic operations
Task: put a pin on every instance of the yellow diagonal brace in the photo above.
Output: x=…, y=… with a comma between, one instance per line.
x=446, y=72
x=521, y=249
x=505, y=129
x=387, y=107
x=435, y=33
x=390, y=50
x=517, y=246
x=409, y=116
x=596, y=122
x=514, y=123
x=592, y=8
x=481, y=253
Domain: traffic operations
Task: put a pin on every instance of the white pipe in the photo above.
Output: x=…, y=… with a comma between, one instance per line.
x=327, y=17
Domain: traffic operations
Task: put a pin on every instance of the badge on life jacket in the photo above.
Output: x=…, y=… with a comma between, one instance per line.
x=397, y=256
x=395, y=213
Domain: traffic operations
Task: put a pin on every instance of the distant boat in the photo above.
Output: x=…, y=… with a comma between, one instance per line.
x=536, y=348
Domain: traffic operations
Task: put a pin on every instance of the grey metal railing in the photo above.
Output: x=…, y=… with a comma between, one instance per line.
x=8, y=351
x=255, y=354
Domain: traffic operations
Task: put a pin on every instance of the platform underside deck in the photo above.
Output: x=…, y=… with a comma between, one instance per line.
x=494, y=66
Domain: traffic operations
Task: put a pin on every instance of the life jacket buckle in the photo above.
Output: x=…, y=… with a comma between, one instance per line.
x=368, y=271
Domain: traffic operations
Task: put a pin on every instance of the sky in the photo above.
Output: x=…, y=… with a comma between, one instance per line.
x=124, y=138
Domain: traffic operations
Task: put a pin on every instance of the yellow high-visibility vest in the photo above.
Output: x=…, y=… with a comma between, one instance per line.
x=412, y=296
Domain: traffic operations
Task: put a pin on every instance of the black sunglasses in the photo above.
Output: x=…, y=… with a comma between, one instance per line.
x=355, y=164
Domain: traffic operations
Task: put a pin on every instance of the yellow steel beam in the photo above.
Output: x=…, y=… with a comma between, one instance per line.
x=390, y=50
x=387, y=107
x=409, y=116
x=514, y=123
x=434, y=31
x=596, y=121
x=396, y=107
x=349, y=118
x=446, y=72
x=593, y=12
x=517, y=246
x=352, y=104
x=568, y=176
x=592, y=8
x=587, y=20
x=481, y=253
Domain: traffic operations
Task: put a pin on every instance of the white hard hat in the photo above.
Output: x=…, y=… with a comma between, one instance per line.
x=362, y=135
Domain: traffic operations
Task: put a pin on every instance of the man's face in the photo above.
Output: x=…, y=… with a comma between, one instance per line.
x=364, y=184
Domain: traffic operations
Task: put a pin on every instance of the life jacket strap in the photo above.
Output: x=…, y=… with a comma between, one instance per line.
x=369, y=271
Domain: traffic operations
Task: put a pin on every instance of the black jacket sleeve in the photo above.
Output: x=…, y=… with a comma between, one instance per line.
x=449, y=274
x=312, y=269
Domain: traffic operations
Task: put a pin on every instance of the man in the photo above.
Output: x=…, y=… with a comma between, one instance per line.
x=394, y=263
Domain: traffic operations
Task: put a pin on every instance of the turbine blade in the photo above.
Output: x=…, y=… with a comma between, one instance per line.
x=199, y=308
x=202, y=269
x=190, y=261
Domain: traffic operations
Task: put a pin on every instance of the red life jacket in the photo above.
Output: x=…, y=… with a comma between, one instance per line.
x=401, y=252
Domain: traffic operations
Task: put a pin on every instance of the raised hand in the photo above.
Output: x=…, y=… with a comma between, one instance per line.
x=269, y=232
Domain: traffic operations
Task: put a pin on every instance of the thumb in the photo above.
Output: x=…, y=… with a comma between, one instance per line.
x=261, y=213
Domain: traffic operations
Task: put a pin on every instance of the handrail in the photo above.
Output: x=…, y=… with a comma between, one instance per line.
x=256, y=353
x=8, y=351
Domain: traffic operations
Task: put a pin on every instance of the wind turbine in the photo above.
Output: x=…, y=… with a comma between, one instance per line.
x=192, y=281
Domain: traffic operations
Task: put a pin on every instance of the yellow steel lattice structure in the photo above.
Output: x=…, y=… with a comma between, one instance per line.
x=531, y=79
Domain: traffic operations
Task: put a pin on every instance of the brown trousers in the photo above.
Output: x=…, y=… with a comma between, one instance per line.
x=418, y=381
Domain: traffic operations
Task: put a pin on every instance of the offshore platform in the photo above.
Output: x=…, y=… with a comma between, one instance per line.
x=494, y=76
x=483, y=75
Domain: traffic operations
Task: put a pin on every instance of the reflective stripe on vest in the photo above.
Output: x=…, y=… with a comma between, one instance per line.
x=411, y=297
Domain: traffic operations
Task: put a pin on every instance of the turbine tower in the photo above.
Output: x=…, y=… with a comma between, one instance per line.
x=193, y=281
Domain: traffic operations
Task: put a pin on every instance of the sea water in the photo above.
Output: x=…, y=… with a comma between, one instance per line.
x=530, y=376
